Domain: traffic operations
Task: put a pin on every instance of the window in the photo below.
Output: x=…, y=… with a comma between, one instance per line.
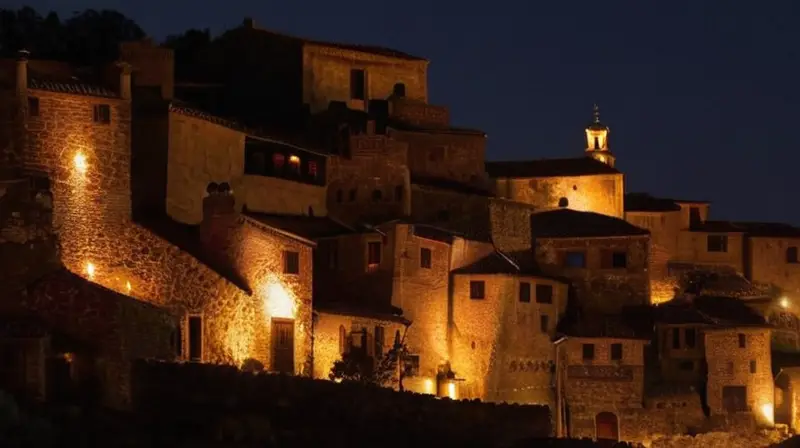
x=544, y=293
x=753, y=366
x=477, y=289
x=694, y=216
x=524, y=292
x=742, y=340
x=33, y=106
x=294, y=164
x=686, y=366
x=616, y=352
x=278, y=161
x=377, y=195
x=411, y=365
x=791, y=254
x=102, y=113
x=358, y=84
x=563, y=202
x=351, y=196
x=614, y=259
x=690, y=337
x=717, y=243
x=425, y=258
x=575, y=259
x=398, y=193
x=676, y=338
x=544, y=323
x=729, y=367
x=291, y=262
x=399, y=90
x=379, y=337
x=588, y=352
x=373, y=254
x=312, y=168
x=734, y=398
x=343, y=344
x=195, y=338
x=339, y=196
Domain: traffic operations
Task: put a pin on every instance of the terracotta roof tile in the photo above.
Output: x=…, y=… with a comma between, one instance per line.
x=643, y=202
x=577, y=166
x=308, y=227
x=566, y=223
x=709, y=310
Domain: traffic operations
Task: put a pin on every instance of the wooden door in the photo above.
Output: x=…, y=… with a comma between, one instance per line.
x=606, y=426
x=283, y=346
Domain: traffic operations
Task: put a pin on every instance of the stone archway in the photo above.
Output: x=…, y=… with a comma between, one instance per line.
x=606, y=426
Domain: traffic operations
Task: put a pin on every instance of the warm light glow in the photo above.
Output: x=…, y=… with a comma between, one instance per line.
x=768, y=411
x=80, y=162
x=428, y=386
x=294, y=159
x=451, y=390
x=90, y=270
x=278, y=302
x=128, y=286
x=784, y=302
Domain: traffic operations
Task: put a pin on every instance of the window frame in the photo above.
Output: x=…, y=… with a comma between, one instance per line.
x=524, y=294
x=588, y=349
x=291, y=262
x=721, y=247
x=477, y=289
x=102, y=114
x=574, y=253
x=616, y=347
x=540, y=288
x=425, y=258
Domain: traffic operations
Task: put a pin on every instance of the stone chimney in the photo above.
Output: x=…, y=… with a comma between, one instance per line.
x=249, y=23
x=124, y=80
x=22, y=70
x=220, y=222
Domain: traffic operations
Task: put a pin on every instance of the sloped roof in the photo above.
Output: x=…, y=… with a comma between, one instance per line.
x=494, y=263
x=372, y=311
x=709, y=310
x=308, y=227
x=643, y=202
x=630, y=323
x=576, y=166
x=567, y=223
x=449, y=184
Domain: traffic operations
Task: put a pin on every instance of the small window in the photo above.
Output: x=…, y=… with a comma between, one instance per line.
x=358, y=84
x=524, y=292
x=588, y=352
x=312, y=168
x=717, y=243
x=351, y=196
x=291, y=262
x=377, y=195
x=753, y=366
x=686, y=366
x=616, y=352
x=791, y=254
x=102, y=113
x=425, y=260
x=544, y=293
x=563, y=202
x=690, y=337
x=544, y=323
x=196, y=338
x=339, y=196
x=619, y=260
x=329, y=251
x=742, y=340
x=575, y=259
x=477, y=289
x=33, y=106
x=373, y=254
x=278, y=161
x=294, y=164
x=398, y=193
x=399, y=90
x=676, y=338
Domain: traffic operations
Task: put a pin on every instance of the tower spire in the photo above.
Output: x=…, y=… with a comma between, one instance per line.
x=596, y=113
x=597, y=139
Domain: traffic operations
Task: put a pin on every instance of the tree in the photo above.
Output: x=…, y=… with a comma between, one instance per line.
x=357, y=366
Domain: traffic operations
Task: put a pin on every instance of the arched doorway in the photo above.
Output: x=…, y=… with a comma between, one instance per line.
x=606, y=426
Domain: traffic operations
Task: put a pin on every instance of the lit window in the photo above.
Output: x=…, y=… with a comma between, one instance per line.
x=294, y=163
x=278, y=161
x=373, y=254
x=312, y=168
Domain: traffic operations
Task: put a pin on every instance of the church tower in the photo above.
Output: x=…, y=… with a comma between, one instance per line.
x=597, y=140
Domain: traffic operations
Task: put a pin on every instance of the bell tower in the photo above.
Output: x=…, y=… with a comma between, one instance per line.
x=597, y=140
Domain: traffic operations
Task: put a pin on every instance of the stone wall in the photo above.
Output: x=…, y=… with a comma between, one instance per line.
x=419, y=113
x=760, y=439
x=729, y=364
x=499, y=347
x=768, y=265
x=444, y=155
x=457, y=211
x=153, y=65
x=693, y=248
x=201, y=152
x=664, y=229
x=597, y=193
x=596, y=287
x=326, y=76
x=305, y=412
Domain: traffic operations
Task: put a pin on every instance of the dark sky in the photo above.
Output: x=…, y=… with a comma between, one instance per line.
x=700, y=95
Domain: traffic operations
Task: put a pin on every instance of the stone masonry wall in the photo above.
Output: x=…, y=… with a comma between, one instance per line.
x=457, y=157
x=664, y=229
x=768, y=264
x=693, y=248
x=326, y=76
x=598, y=288
x=599, y=193
x=730, y=365
x=499, y=346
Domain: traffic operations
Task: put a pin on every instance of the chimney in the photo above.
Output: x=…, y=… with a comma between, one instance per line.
x=22, y=71
x=219, y=221
x=124, y=80
x=249, y=23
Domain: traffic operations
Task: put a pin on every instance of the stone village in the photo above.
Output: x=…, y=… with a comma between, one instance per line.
x=302, y=199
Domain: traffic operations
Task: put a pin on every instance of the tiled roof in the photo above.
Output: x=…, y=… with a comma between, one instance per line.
x=566, y=223
x=448, y=184
x=434, y=233
x=577, y=166
x=403, y=126
x=709, y=310
x=494, y=263
x=643, y=202
x=631, y=323
x=386, y=313
x=753, y=229
x=185, y=108
x=308, y=227
x=74, y=87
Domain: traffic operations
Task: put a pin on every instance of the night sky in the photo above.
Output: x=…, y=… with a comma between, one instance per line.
x=701, y=96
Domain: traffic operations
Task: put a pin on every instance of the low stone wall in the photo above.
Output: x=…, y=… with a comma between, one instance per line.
x=225, y=402
x=758, y=439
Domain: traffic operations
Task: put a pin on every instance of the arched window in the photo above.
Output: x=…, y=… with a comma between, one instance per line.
x=342, y=340
x=563, y=202
x=791, y=254
x=606, y=426
x=399, y=90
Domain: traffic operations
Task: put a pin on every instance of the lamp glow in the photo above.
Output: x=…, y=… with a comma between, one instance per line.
x=80, y=162
x=768, y=411
x=90, y=270
x=784, y=302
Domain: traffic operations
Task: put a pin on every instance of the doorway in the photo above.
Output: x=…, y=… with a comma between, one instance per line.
x=283, y=346
x=606, y=426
